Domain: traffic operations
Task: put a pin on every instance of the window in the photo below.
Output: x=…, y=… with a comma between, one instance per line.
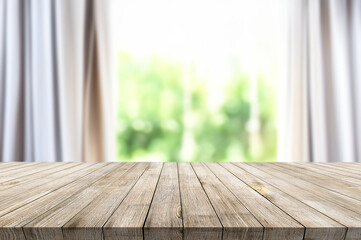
x=197, y=80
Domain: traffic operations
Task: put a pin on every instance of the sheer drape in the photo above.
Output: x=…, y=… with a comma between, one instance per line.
x=320, y=93
x=56, y=99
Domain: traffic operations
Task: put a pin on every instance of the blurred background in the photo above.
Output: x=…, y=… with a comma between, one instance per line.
x=180, y=80
x=203, y=86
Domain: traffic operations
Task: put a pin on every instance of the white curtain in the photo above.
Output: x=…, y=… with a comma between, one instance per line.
x=56, y=81
x=320, y=92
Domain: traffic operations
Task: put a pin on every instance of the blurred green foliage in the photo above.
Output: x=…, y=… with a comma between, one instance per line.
x=151, y=112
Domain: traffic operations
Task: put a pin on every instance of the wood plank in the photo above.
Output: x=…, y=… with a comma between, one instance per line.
x=13, y=221
x=6, y=171
x=351, y=188
x=128, y=219
x=4, y=164
x=331, y=168
x=38, y=176
x=11, y=164
x=16, y=216
x=199, y=218
x=344, y=165
x=277, y=224
x=89, y=222
x=50, y=223
x=351, y=171
x=237, y=221
x=332, y=172
x=310, y=218
x=16, y=197
x=12, y=190
x=180, y=201
x=164, y=219
x=311, y=197
x=29, y=171
x=338, y=191
x=307, y=184
x=8, y=165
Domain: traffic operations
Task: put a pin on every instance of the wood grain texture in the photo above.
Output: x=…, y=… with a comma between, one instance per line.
x=343, y=170
x=20, y=195
x=347, y=186
x=89, y=222
x=200, y=221
x=29, y=170
x=70, y=203
x=164, y=219
x=304, y=214
x=277, y=224
x=180, y=201
x=38, y=175
x=128, y=219
x=5, y=166
x=313, y=185
x=27, y=211
x=311, y=195
x=237, y=221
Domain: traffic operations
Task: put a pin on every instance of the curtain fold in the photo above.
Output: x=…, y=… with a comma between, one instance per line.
x=51, y=80
x=320, y=99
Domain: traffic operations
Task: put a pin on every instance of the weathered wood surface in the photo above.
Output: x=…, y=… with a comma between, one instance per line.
x=180, y=201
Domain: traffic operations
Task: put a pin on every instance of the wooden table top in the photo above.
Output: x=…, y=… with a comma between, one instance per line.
x=180, y=201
